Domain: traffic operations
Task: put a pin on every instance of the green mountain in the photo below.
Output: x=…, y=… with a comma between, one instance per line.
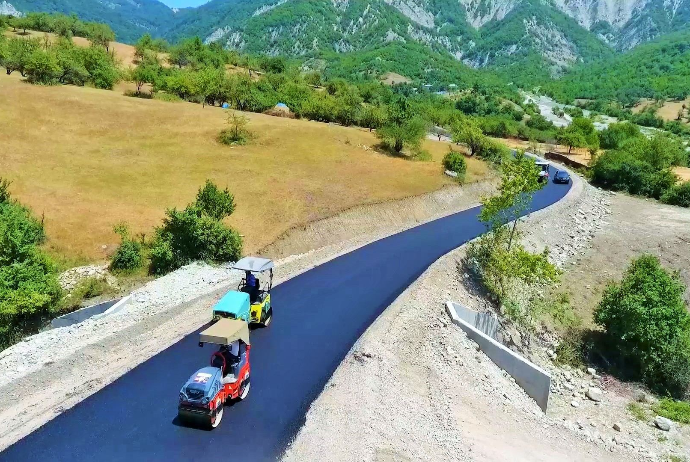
x=129, y=19
x=659, y=69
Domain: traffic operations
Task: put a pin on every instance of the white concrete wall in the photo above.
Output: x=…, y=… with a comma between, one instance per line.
x=534, y=380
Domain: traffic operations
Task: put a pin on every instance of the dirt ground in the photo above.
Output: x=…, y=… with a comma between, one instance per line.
x=414, y=387
x=89, y=159
x=635, y=226
x=668, y=111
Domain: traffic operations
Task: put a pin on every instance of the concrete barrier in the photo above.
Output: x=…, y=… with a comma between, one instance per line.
x=95, y=311
x=485, y=322
x=534, y=380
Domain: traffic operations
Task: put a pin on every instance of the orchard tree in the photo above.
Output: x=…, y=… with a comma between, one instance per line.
x=403, y=126
x=467, y=132
x=101, y=35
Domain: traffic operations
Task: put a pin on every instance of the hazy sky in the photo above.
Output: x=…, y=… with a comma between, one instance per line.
x=183, y=3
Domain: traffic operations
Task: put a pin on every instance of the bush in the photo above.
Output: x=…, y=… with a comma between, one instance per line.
x=85, y=289
x=539, y=122
x=196, y=233
x=678, y=411
x=29, y=290
x=647, y=326
x=129, y=254
x=215, y=202
x=615, y=135
x=236, y=133
x=455, y=162
x=623, y=171
x=678, y=195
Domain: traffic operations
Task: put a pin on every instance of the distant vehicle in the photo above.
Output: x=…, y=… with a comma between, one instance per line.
x=562, y=177
x=203, y=396
x=544, y=170
x=251, y=302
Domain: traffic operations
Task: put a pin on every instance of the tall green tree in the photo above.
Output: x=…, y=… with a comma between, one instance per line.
x=403, y=127
x=519, y=182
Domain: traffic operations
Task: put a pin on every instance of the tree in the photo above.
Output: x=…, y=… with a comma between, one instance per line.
x=215, y=202
x=572, y=138
x=148, y=71
x=43, y=67
x=196, y=233
x=17, y=54
x=100, y=35
x=403, y=127
x=519, y=182
x=647, y=325
x=467, y=132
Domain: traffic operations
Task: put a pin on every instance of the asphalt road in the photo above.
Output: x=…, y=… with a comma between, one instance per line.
x=317, y=318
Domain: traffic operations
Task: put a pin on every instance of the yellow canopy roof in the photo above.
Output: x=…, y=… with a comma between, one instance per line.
x=226, y=331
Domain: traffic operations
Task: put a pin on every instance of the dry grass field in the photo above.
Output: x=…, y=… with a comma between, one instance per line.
x=668, y=111
x=88, y=159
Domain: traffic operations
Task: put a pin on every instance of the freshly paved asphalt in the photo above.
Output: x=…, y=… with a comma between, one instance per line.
x=317, y=318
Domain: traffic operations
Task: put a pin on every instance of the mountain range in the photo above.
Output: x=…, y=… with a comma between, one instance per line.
x=534, y=36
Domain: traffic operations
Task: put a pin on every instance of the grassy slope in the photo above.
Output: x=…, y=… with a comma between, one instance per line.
x=88, y=159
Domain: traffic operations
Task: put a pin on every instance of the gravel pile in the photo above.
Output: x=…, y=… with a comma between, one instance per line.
x=50, y=346
x=69, y=279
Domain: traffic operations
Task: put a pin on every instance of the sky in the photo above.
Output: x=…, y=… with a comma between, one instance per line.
x=183, y=3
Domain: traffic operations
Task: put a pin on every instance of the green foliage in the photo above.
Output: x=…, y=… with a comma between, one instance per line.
x=656, y=70
x=539, y=122
x=215, y=202
x=640, y=166
x=500, y=263
x=43, y=68
x=16, y=54
x=29, y=290
x=497, y=258
x=616, y=134
x=86, y=288
x=148, y=71
x=455, y=162
x=579, y=134
x=637, y=411
x=647, y=326
x=678, y=411
x=403, y=127
x=196, y=233
x=237, y=132
x=129, y=254
x=129, y=20
x=677, y=195
x=519, y=182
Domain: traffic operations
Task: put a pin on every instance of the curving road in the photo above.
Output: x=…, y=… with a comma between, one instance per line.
x=318, y=317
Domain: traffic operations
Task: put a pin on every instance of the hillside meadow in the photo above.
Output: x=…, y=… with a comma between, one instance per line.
x=87, y=159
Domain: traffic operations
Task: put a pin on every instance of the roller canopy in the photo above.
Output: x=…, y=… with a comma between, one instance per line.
x=226, y=331
x=254, y=264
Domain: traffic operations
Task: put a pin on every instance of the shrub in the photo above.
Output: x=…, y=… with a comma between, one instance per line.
x=85, y=289
x=621, y=170
x=129, y=254
x=215, y=202
x=29, y=290
x=678, y=195
x=678, y=411
x=196, y=233
x=539, y=122
x=615, y=135
x=647, y=326
x=455, y=162
x=637, y=411
x=236, y=133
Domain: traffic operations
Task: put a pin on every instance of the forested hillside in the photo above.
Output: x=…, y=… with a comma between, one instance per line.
x=658, y=70
x=128, y=18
